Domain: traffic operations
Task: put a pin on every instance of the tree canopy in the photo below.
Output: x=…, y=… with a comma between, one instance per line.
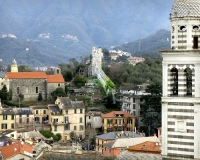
x=59, y=92
x=151, y=108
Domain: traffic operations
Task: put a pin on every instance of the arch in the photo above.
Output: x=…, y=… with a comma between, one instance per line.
x=174, y=80
x=188, y=74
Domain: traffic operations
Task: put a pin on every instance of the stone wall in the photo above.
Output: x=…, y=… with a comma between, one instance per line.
x=28, y=88
x=52, y=87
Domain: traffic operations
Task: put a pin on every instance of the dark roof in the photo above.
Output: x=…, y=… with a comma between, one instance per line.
x=16, y=111
x=39, y=107
x=6, y=132
x=114, y=135
x=67, y=103
x=53, y=108
x=130, y=87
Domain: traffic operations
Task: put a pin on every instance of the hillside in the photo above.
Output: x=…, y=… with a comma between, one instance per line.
x=152, y=44
x=75, y=26
x=37, y=53
x=30, y=53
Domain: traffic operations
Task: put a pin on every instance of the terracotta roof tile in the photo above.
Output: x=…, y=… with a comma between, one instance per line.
x=57, y=78
x=114, y=113
x=16, y=148
x=146, y=147
x=26, y=75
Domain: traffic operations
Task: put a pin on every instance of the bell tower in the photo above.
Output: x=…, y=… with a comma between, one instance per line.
x=14, y=67
x=181, y=84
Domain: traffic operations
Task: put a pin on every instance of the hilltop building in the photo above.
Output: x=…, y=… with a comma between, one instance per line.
x=30, y=84
x=181, y=84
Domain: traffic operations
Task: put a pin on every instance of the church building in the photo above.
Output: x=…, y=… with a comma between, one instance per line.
x=30, y=84
x=181, y=84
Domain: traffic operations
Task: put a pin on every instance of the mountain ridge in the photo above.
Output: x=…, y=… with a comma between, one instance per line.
x=98, y=23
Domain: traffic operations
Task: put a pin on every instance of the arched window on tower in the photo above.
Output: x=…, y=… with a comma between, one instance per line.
x=188, y=73
x=174, y=80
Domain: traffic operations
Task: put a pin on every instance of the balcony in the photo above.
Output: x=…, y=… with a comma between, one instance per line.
x=60, y=123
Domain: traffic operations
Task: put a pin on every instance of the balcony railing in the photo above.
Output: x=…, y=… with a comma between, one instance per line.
x=60, y=123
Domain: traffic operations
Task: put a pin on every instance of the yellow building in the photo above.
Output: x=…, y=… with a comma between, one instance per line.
x=66, y=116
x=41, y=117
x=16, y=119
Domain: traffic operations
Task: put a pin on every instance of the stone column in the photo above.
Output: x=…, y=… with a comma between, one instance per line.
x=165, y=79
x=197, y=130
x=164, y=132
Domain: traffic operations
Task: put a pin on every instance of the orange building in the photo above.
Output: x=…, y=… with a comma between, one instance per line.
x=118, y=121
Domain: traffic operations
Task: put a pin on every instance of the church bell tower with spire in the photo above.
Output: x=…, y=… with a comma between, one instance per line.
x=181, y=84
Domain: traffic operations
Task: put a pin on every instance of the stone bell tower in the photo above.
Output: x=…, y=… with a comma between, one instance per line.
x=181, y=84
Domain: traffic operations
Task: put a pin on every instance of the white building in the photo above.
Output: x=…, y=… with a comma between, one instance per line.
x=181, y=84
x=129, y=99
x=93, y=119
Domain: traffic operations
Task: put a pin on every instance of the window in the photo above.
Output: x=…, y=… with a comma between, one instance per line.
x=12, y=117
x=81, y=120
x=74, y=111
x=36, y=89
x=67, y=127
x=195, y=28
x=55, y=120
x=81, y=110
x=55, y=128
x=58, y=85
x=133, y=100
x=180, y=126
x=74, y=128
x=188, y=73
x=81, y=127
x=27, y=119
x=66, y=119
x=133, y=106
x=195, y=43
x=20, y=118
x=12, y=126
x=183, y=28
x=36, y=111
x=3, y=126
x=66, y=111
x=27, y=90
x=120, y=122
x=4, y=117
x=44, y=112
x=174, y=75
x=89, y=117
x=18, y=90
x=2, y=84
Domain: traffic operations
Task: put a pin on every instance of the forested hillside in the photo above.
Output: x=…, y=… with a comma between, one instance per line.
x=124, y=74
